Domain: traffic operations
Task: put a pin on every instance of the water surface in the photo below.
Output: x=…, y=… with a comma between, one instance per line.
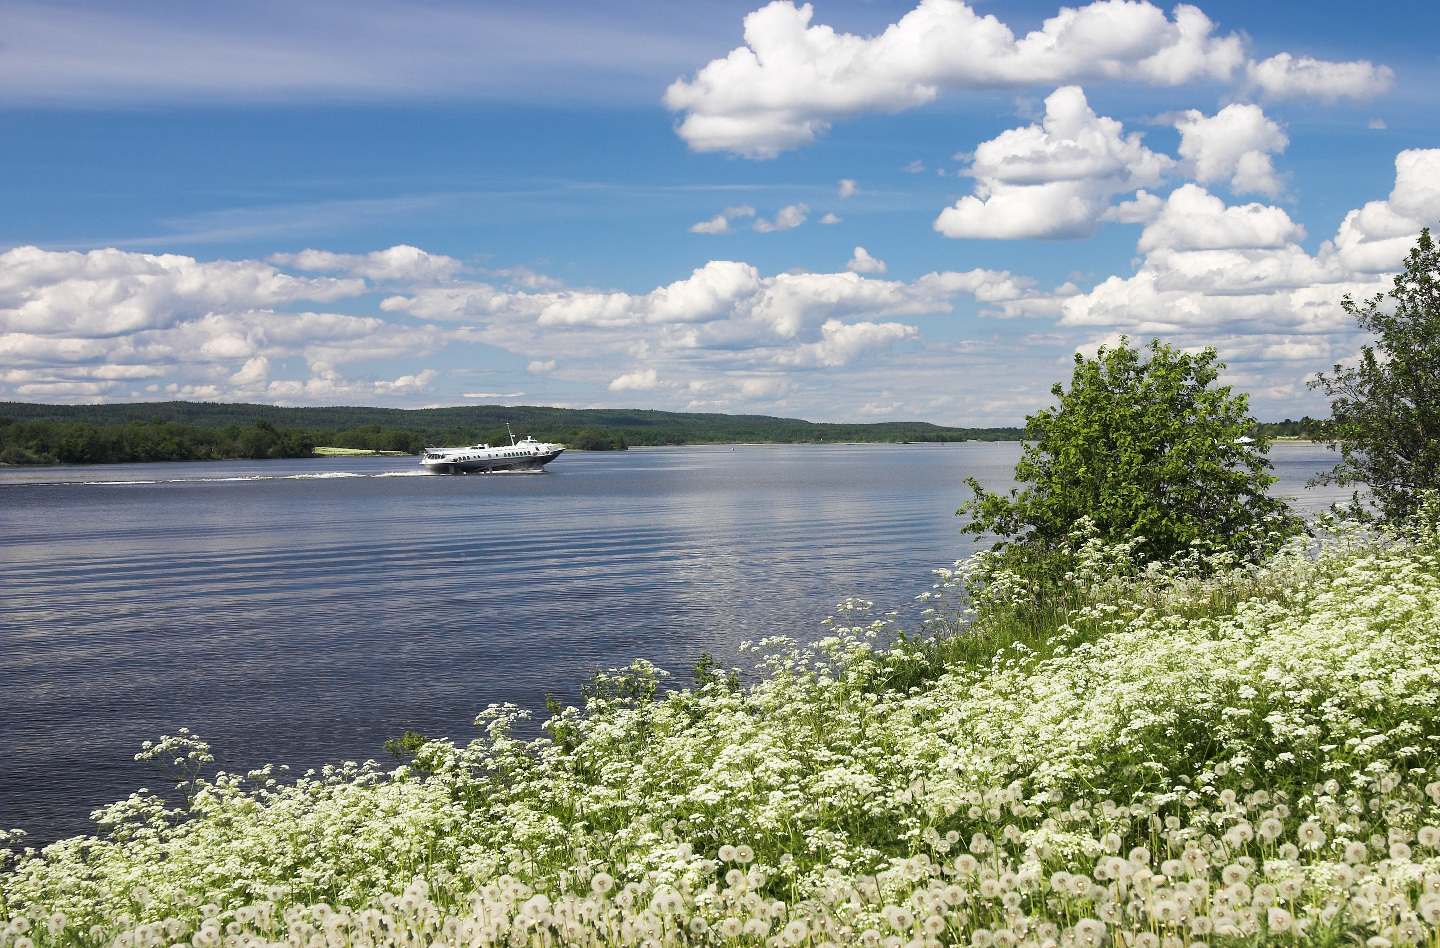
x=303, y=612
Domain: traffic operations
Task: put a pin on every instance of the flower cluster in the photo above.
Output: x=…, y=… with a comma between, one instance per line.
x=1209, y=753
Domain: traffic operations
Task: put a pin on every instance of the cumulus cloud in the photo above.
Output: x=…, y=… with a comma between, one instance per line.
x=848, y=188
x=111, y=292
x=1283, y=76
x=1195, y=219
x=723, y=307
x=786, y=218
x=841, y=343
x=1053, y=179
x=1142, y=210
x=862, y=262
x=734, y=336
x=1235, y=144
x=639, y=380
x=401, y=262
x=792, y=79
x=1376, y=237
x=85, y=323
x=831, y=218
x=1216, y=273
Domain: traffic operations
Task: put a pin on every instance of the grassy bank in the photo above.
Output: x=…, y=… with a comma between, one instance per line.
x=1220, y=755
x=327, y=452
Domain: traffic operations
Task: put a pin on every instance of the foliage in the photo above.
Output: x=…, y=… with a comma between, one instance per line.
x=405, y=746
x=1386, y=410
x=1306, y=427
x=43, y=442
x=1150, y=451
x=373, y=438
x=1214, y=753
x=486, y=423
x=590, y=439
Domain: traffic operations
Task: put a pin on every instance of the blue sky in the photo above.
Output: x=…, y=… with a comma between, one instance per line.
x=856, y=211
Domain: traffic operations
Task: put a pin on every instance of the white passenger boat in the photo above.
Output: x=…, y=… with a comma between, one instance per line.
x=524, y=455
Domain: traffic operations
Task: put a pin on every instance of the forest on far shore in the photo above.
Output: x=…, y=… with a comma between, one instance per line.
x=191, y=431
x=188, y=431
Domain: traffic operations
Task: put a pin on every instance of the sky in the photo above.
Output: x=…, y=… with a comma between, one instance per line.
x=845, y=211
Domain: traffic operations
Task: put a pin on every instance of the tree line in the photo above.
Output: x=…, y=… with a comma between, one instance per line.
x=185, y=431
x=48, y=442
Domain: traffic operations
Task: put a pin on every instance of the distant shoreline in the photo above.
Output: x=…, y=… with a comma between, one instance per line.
x=328, y=452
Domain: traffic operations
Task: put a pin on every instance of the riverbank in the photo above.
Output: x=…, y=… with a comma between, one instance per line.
x=1249, y=757
x=328, y=452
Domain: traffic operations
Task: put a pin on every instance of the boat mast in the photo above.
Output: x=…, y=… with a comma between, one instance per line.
x=512, y=434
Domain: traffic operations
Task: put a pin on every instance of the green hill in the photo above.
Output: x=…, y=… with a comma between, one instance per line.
x=466, y=424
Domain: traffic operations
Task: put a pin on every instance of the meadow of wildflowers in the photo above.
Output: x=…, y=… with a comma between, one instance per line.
x=1209, y=753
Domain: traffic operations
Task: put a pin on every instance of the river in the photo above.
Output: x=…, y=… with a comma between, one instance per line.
x=302, y=612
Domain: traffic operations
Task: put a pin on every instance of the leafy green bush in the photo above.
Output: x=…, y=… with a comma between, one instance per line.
x=1151, y=451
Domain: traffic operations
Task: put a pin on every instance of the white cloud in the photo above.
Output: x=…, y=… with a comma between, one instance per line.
x=639, y=380
x=1237, y=277
x=111, y=292
x=401, y=262
x=1283, y=76
x=763, y=388
x=1144, y=209
x=848, y=188
x=720, y=223
x=733, y=336
x=1194, y=219
x=253, y=372
x=416, y=382
x=831, y=219
x=715, y=225
x=1377, y=236
x=862, y=262
x=1377, y=124
x=786, y=218
x=725, y=307
x=79, y=323
x=1235, y=144
x=1055, y=179
x=793, y=79
x=841, y=343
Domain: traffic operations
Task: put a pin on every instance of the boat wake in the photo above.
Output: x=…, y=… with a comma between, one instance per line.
x=239, y=479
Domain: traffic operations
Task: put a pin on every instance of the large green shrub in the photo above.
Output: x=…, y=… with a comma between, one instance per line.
x=1147, y=447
